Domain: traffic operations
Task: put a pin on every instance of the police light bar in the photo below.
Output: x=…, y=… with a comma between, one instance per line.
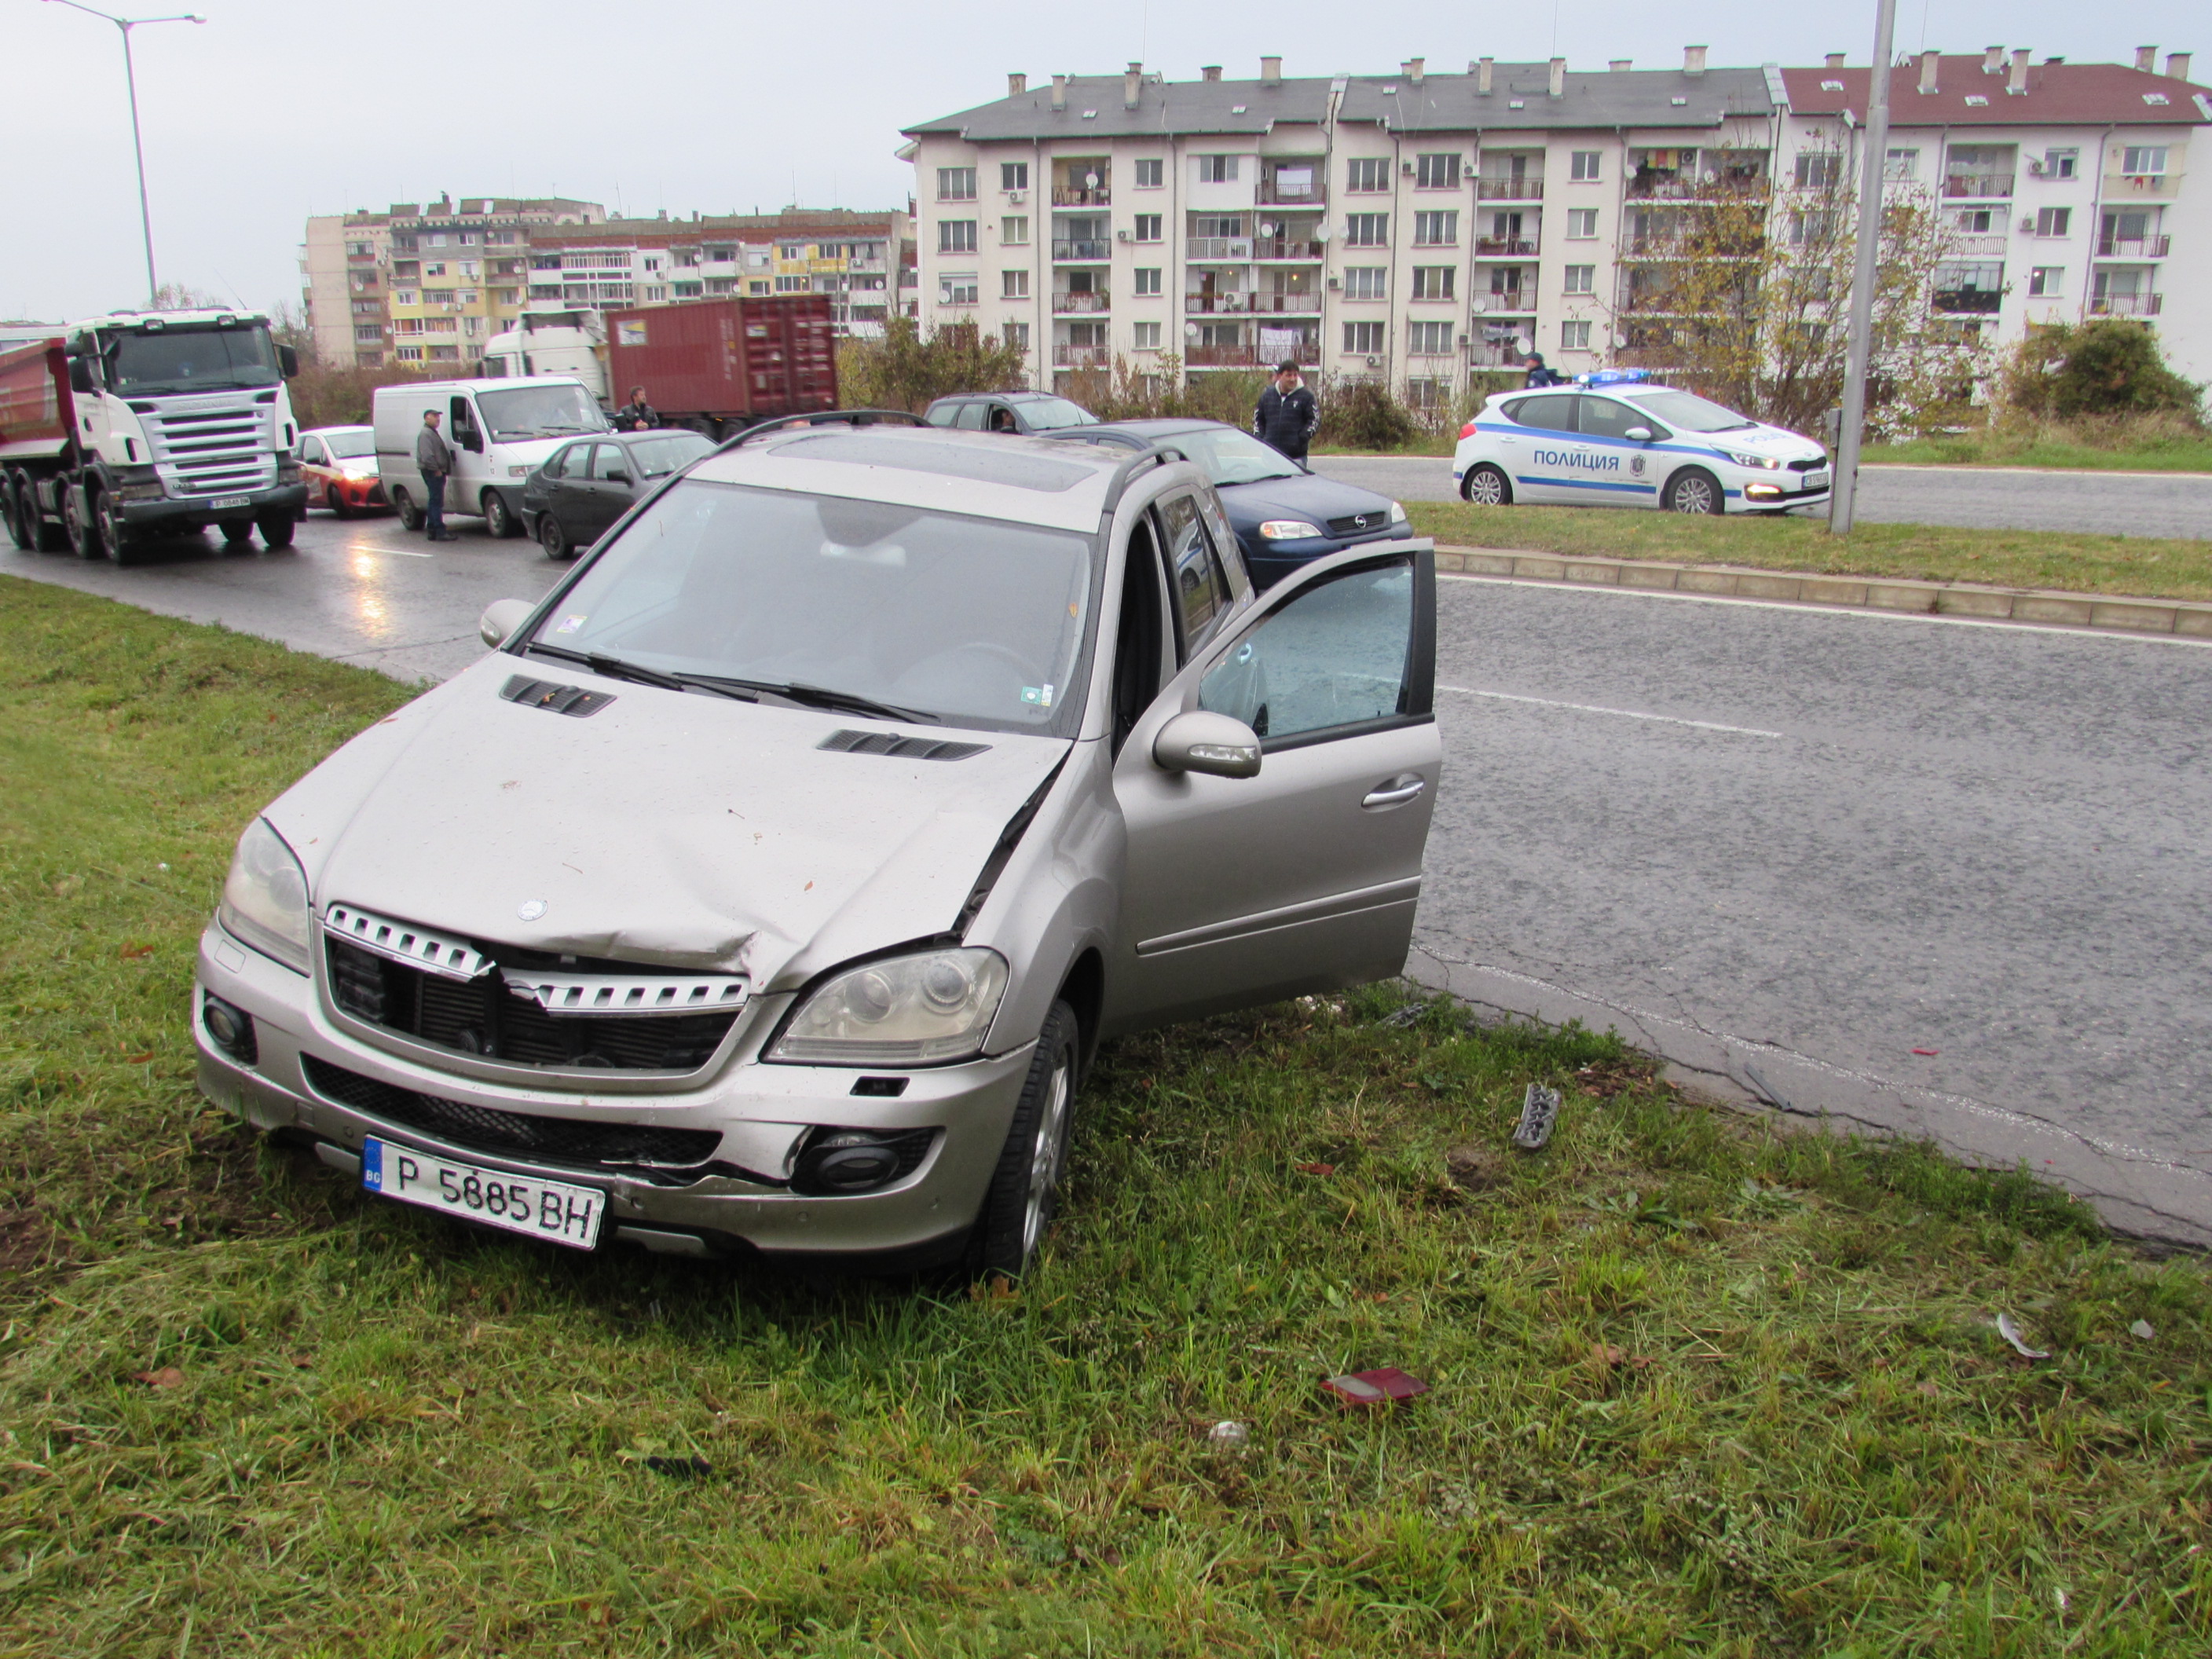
x=1612, y=377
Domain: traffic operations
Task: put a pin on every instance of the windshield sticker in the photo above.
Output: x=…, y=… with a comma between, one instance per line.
x=1041, y=696
x=570, y=623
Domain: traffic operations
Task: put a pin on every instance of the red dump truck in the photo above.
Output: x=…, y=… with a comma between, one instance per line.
x=717, y=366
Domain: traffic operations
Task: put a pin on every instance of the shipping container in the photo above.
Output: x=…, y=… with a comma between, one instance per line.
x=723, y=364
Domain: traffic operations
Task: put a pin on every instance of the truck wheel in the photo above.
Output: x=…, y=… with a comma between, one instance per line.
x=552, y=538
x=46, y=537
x=83, y=536
x=499, y=517
x=410, y=516
x=237, y=534
x=1019, y=1206
x=22, y=527
x=276, y=529
x=116, y=538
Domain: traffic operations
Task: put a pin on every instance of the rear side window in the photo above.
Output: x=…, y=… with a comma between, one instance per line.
x=558, y=467
x=971, y=418
x=942, y=414
x=1201, y=588
x=1552, y=413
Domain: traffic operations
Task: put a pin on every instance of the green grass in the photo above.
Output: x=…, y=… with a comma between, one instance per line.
x=2006, y=558
x=1700, y=1387
x=2164, y=446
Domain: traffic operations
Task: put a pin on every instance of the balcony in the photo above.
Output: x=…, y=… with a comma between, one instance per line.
x=2124, y=305
x=2132, y=247
x=1097, y=252
x=2142, y=187
x=1252, y=305
x=1664, y=187
x=1081, y=196
x=1222, y=356
x=1982, y=247
x=1970, y=302
x=1506, y=248
x=1495, y=354
x=1284, y=249
x=1979, y=186
x=1075, y=356
x=1071, y=305
x=1513, y=302
x=1272, y=194
x=1508, y=189
x=1200, y=250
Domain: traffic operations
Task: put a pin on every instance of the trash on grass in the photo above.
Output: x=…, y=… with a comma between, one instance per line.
x=1315, y=1169
x=1931, y=1053
x=168, y=1378
x=2010, y=1332
x=1473, y=1169
x=1231, y=1434
x=1401, y=1017
x=1539, y=1110
x=1370, y=1390
x=1773, y=1096
x=2142, y=1328
x=683, y=1468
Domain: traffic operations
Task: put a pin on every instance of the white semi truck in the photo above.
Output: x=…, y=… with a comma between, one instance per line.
x=140, y=422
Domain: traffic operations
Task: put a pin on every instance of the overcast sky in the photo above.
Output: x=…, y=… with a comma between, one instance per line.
x=271, y=111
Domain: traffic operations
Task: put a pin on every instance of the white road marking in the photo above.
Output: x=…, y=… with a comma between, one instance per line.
x=378, y=547
x=1625, y=714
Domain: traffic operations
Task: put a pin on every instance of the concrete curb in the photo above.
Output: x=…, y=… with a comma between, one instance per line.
x=2190, y=618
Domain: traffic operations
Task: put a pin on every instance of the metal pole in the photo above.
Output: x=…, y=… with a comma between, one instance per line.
x=138, y=149
x=1860, y=348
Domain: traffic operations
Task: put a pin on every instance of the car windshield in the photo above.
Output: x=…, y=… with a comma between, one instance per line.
x=540, y=412
x=973, y=621
x=193, y=359
x=1690, y=411
x=1231, y=457
x=347, y=445
x=656, y=458
x=1050, y=414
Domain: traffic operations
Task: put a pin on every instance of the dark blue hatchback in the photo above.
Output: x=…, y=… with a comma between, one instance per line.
x=1284, y=516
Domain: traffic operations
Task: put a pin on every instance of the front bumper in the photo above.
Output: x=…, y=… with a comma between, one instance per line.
x=359, y=492
x=759, y=1109
x=290, y=498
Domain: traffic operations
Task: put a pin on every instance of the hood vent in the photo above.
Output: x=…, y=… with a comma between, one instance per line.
x=548, y=694
x=849, y=742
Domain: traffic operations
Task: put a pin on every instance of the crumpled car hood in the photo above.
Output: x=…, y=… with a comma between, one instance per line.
x=669, y=828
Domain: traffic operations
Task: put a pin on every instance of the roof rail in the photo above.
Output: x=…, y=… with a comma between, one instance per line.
x=823, y=417
x=1158, y=454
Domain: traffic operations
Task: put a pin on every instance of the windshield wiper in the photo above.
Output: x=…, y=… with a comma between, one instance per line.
x=618, y=668
x=822, y=697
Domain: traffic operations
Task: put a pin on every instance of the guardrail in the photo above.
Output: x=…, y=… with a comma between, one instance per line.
x=2124, y=305
x=1083, y=251
x=1508, y=189
x=2133, y=248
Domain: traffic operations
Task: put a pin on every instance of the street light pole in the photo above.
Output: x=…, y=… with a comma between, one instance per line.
x=1860, y=348
x=137, y=146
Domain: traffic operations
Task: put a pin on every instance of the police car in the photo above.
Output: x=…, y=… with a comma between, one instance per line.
x=1616, y=438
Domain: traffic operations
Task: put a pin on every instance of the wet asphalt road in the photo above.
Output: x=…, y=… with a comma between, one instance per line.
x=2176, y=504
x=1786, y=847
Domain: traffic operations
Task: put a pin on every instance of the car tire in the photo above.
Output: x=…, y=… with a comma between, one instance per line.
x=1019, y=1206
x=1486, y=486
x=498, y=516
x=553, y=539
x=336, y=503
x=410, y=516
x=1693, y=490
x=276, y=529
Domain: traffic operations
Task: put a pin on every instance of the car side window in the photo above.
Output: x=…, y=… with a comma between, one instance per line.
x=970, y=418
x=942, y=414
x=1142, y=657
x=557, y=465
x=608, y=460
x=1335, y=660
x=1601, y=417
x=1552, y=413
x=1002, y=419
x=1195, y=573
x=311, y=449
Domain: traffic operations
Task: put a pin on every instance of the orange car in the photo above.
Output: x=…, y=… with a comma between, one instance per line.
x=339, y=465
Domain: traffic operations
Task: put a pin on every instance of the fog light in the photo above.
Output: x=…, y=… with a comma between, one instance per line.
x=231, y=1028
x=848, y=1161
x=1762, y=492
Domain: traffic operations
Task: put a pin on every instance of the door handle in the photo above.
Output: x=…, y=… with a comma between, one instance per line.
x=1394, y=792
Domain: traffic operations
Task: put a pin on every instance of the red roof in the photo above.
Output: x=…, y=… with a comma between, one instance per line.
x=2084, y=94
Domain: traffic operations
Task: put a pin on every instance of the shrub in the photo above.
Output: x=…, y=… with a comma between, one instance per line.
x=907, y=369
x=1362, y=414
x=2107, y=368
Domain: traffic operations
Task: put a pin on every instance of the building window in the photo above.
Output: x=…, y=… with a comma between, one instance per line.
x=1148, y=279
x=2053, y=221
x=1583, y=165
x=2046, y=282
x=1150, y=175
x=1580, y=279
x=2060, y=163
x=451, y=354
x=956, y=236
x=1146, y=336
x=1976, y=221
x=1367, y=282
x=1969, y=286
x=1434, y=281
x=1437, y=173
x=788, y=285
x=504, y=296
x=1216, y=169
x=1582, y=224
x=1427, y=340
x=1013, y=285
x=1014, y=231
x=408, y=354
x=1574, y=337
x=1901, y=166
x=955, y=184
x=1436, y=229
x=2143, y=161
x=1148, y=227
x=435, y=268
x=1013, y=175
x=1363, y=339
x=1368, y=172
x=1814, y=225
x=754, y=285
x=1367, y=230
x=1017, y=335
x=1819, y=170
x=1204, y=227
x=369, y=333
x=952, y=290
x=1428, y=392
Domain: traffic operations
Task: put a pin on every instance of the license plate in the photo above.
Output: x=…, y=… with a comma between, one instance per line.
x=1816, y=481
x=550, y=1210
x=222, y=501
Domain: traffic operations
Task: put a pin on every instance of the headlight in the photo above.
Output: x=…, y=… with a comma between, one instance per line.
x=1397, y=514
x=1287, y=530
x=1756, y=463
x=264, y=902
x=903, y=1010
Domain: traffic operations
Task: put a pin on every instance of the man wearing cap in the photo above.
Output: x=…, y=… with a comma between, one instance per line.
x=1539, y=373
x=1287, y=414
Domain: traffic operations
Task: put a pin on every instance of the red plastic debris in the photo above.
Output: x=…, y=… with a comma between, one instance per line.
x=1927, y=1051
x=1316, y=1169
x=1370, y=1390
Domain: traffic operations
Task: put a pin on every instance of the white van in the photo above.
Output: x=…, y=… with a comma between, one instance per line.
x=499, y=431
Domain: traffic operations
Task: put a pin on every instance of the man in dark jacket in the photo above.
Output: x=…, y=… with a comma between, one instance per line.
x=1287, y=414
x=1539, y=373
x=637, y=415
x=433, y=459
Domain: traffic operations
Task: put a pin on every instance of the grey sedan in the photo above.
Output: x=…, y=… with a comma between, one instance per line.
x=768, y=885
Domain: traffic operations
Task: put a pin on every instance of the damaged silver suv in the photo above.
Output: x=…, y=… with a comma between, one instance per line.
x=769, y=885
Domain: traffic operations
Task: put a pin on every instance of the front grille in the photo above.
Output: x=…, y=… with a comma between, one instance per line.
x=216, y=444
x=484, y=1015
x=1358, y=521
x=1813, y=465
x=486, y=1129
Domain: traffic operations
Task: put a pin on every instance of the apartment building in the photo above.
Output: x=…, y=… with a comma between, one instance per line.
x=423, y=283
x=1413, y=226
x=2060, y=185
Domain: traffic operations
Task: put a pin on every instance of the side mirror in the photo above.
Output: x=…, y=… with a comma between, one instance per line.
x=81, y=375
x=618, y=477
x=500, y=620
x=471, y=440
x=287, y=363
x=1200, y=740
x=1637, y=434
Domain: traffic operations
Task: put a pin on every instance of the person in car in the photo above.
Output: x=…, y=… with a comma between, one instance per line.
x=1539, y=373
x=1287, y=414
x=637, y=415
